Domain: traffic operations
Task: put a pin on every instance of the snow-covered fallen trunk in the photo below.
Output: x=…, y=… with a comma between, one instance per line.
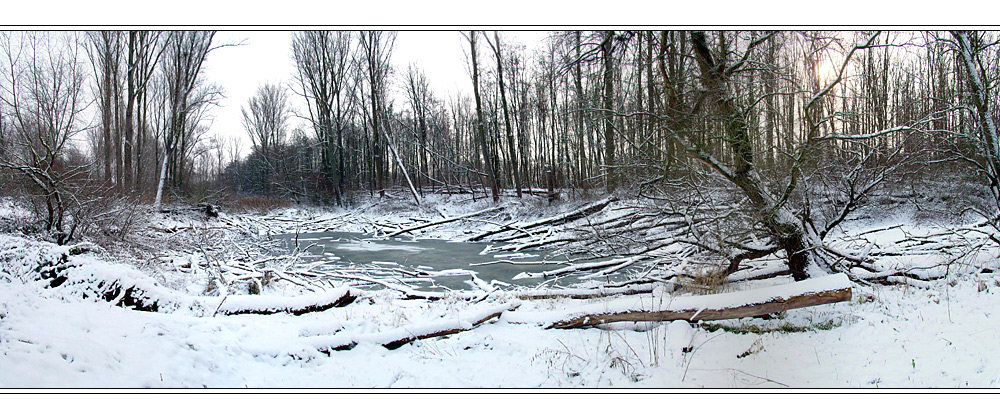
x=586, y=293
x=296, y=305
x=397, y=337
x=811, y=292
x=558, y=219
x=614, y=264
x=442, y=221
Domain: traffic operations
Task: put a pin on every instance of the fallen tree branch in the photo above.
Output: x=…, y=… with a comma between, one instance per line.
x=295, y=305
x=884, y=276
x=441, y=222
x=558, y=219
x=587, y=293
x=615, y=265
x=397, y=337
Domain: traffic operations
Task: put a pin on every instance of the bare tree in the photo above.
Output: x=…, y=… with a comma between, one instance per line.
x=607, y=57
x=791, y=229
x=971, y=49
x=144, y=50
x=489, y=157
x=266, y=123
x=376, y=50
x=43, y=91
x=185, y=53
x=323, y=64
x=497, y=47
x=105, y=50
x=420, y=98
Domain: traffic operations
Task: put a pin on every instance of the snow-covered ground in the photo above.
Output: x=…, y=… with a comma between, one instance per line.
x=946, y=335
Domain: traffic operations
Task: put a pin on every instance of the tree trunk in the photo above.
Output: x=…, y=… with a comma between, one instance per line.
x=759, y=302
x=981, y=99
x=609, y=127
x=127, y=181
x=158, y=202
x=488, y=158
x=512, y=160
x=783, y=225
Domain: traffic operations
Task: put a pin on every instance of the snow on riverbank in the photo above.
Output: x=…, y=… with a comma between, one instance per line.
x=887, y=336
x=891, y=337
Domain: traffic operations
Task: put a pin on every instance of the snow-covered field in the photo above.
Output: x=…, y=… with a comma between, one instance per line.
x=945, y=335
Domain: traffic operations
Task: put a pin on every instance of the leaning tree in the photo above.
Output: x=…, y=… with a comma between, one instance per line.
x=712, y=111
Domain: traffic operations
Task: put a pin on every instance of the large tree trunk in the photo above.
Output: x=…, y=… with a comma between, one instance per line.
x=783, y=225
x=609, y=127
x=129, y=113
x=981, y=99
x=488, y=157
x=758, y=302
x=512, y=161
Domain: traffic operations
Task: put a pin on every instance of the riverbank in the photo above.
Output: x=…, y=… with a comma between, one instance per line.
x=902, y=335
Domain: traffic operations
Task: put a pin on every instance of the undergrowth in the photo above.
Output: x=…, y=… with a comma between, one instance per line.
x=783, y=328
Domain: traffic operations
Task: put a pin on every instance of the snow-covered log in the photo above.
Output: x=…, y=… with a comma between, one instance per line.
x=558, y=219
x=73, y=270
x=589, y=293
x=296, y=305
x=442, y=221
x=397, y=337
x=811, y=292
x=615, y=265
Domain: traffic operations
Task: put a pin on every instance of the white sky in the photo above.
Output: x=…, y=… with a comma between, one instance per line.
x=266, y=57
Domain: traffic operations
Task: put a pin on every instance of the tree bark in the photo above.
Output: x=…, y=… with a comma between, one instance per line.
x=981, y=99
x=609, y=127
x=512, y=160
x=814, y=292
x=488, y=157
x=786, y=228
x=297, y=305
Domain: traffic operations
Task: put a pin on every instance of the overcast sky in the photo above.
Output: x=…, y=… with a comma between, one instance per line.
x=267, y=57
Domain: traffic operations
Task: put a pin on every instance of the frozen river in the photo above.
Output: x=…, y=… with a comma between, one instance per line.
x=448, y=265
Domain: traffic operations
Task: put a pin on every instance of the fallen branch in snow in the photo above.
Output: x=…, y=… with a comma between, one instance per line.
x=397, y=337
x=554, y=220
x=441, y=222
x=610, y=266
x=884, y=277
x=586, y=293
x=407, y=291
x=295, y=305
x=812, y=292
x=517, y=247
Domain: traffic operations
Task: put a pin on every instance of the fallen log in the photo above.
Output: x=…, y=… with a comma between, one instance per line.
x=558, y=219
x=441, y=222
x=615, y=265
x=912, y=276
x=397, y=337
x=591, y=293
x=812, y=292
x=295, y=305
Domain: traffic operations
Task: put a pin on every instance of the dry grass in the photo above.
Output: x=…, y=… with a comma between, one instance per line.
x=705, y=280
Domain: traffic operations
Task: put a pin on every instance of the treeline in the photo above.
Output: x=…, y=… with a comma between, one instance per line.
x=598, y=110
x=766, y=114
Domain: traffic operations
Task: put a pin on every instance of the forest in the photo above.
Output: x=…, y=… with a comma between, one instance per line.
x=650, y=162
